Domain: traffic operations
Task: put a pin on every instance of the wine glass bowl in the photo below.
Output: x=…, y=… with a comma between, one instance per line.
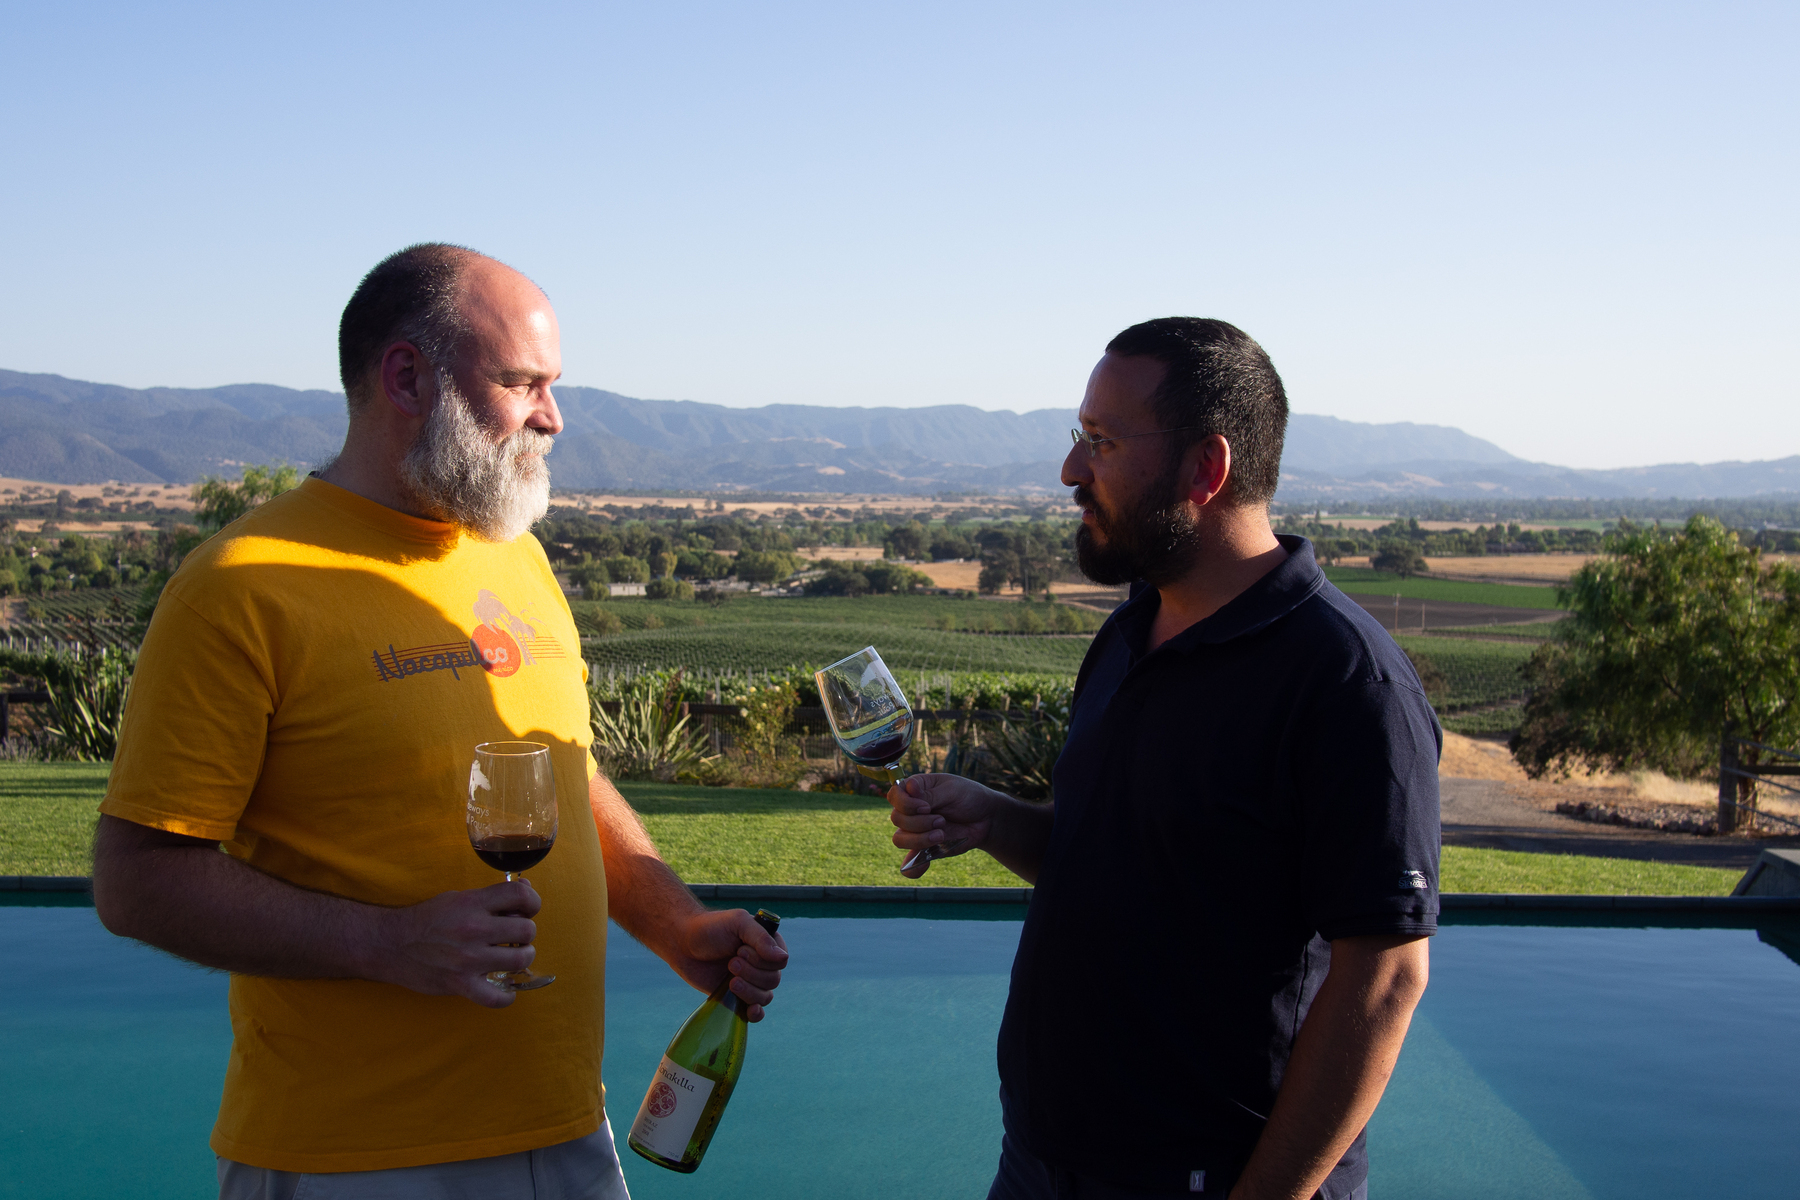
x=873, y=724
x=512, y=822
x=869, y=715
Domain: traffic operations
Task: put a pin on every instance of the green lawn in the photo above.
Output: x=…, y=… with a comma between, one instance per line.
x=745, y=835
x=47, y=815
x=1468, y=870
x=1382, y=583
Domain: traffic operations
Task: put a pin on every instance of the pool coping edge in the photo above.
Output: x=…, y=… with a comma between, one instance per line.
x=862, y=893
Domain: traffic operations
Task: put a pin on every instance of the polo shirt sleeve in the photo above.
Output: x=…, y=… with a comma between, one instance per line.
x=1368, y=812
x=195, y=729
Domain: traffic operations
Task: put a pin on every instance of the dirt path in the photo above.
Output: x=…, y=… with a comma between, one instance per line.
x=1489, y=803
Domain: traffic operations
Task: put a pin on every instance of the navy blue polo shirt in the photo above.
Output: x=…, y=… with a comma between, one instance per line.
x=1226, y=806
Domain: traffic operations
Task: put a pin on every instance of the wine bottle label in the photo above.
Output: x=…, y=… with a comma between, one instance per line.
x=671, y=1109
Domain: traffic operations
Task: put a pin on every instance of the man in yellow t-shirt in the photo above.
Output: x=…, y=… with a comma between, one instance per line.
x=309, y=695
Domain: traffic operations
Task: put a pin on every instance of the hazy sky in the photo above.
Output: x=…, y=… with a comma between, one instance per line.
x=1569, y=228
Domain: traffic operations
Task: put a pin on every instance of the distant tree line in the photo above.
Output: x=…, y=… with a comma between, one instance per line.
x=1749, y=513
x=597, y=548
x=1402, y=545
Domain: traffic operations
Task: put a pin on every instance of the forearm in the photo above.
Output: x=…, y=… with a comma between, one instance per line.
x=185, y=897
x=643, y=894
x=1341, y=1062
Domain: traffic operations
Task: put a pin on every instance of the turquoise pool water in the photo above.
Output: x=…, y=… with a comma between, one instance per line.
x=1545, y=1062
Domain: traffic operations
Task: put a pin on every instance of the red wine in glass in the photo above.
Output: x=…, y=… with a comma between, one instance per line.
x=513, y=852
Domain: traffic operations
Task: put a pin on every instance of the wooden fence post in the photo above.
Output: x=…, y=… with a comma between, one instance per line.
x=1728, y=781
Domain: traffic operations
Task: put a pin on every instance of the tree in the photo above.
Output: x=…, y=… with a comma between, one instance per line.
x=1670, y=639
x=218, y=502
x=1402, y=558
x=764, y=566
x=906, y=541
x=622, y=568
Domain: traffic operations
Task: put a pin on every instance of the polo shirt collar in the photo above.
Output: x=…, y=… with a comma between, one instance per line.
x=1267, y=600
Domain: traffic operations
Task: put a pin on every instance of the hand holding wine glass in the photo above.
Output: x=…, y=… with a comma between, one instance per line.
x=512, y=822
x=873, y=725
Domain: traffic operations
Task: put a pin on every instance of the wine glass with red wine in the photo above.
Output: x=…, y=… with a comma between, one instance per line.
x=512, y=822
x=872, y=722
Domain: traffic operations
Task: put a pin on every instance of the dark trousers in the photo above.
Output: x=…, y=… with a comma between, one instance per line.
x=1022, y=1176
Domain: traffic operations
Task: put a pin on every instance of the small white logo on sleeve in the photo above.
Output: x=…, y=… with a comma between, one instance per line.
x=1413, y=879
x=1196, y=1181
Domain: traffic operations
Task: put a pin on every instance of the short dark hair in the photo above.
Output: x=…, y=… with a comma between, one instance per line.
x=1218, y=380
x=412, y=296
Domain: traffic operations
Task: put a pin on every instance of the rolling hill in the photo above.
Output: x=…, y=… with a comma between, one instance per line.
x=68, y=431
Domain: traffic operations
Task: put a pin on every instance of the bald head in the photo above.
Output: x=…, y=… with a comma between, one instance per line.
x=435, y=296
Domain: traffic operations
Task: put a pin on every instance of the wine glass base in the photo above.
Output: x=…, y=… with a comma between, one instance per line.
x=519, y=981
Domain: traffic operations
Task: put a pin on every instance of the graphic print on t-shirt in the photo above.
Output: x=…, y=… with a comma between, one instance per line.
x=500, y=643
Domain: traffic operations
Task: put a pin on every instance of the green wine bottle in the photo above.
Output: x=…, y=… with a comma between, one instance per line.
x=687, y=1097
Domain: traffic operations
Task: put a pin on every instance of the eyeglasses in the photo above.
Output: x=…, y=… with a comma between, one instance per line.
x=1084, y=438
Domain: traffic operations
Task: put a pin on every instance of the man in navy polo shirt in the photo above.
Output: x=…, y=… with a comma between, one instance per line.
x=1238, y=873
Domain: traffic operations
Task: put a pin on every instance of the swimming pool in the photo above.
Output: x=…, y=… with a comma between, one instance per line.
x=1547, y=1061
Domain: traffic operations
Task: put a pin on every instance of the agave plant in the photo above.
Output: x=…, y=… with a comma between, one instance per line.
x=1022, y=755
x=649, y=737
x=87, y=698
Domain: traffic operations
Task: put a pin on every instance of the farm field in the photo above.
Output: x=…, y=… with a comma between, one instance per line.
x=1541, y=631
x=1475, y=673
x=913, y=633
x=774, y=646
x=1381, y=583
x=1545, y=568
x=732, y=835
x=105, y=615
x=916, y=612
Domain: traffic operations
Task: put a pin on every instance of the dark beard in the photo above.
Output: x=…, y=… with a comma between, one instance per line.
x=1150, y=538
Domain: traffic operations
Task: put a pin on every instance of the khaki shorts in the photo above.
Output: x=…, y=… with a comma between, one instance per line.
x=584, y=1169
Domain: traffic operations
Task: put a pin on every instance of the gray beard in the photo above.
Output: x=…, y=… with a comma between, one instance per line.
x=458, y=473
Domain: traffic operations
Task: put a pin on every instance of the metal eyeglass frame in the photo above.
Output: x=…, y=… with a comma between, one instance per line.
x=1084, y=438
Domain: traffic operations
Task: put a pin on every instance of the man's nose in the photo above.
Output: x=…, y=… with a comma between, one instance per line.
x=1077, y=466
x=545, y=415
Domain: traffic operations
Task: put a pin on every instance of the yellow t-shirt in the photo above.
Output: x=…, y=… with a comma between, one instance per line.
x=310, y=693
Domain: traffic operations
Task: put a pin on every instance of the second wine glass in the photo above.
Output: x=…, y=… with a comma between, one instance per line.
x=873, y=725
x=869, y=715
x=512, y=822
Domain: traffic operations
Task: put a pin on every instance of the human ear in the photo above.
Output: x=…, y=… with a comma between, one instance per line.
x=406, y=381
x=1211, y=458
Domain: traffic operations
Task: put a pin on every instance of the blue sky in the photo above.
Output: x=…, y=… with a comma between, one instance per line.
x=1565, y=227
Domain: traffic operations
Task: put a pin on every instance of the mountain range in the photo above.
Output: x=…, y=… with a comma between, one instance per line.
x=61, y=430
